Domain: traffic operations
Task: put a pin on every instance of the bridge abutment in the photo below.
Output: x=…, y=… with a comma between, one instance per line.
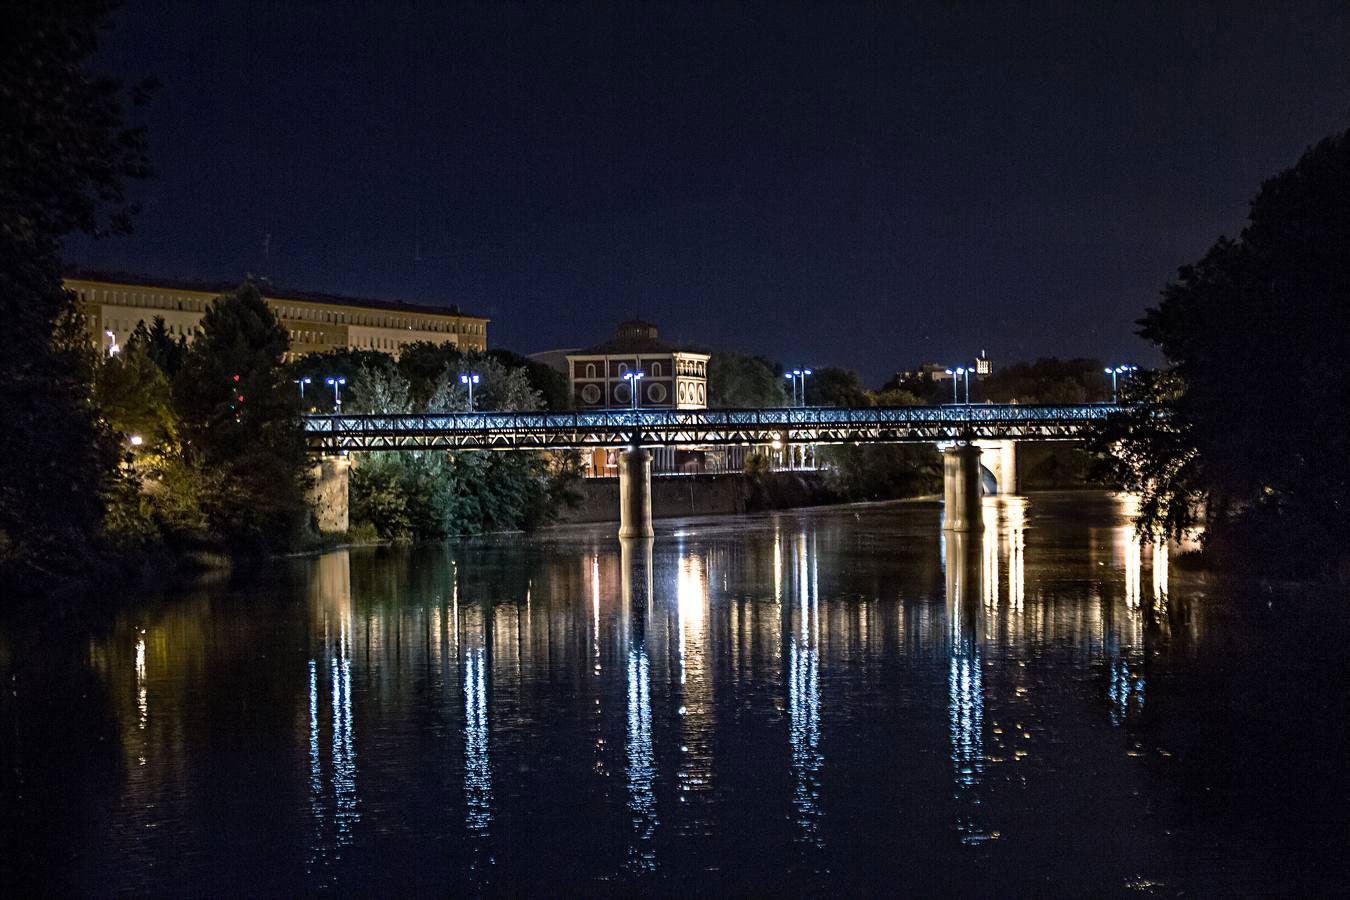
x=328, y=497
x=961, y=508
x=635, y=493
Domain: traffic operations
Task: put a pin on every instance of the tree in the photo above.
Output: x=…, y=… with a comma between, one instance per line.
x=1047, y=380
x=552, y=386
x=832, y=386
x=427, y=495
x=1254, y=334
x=65, y=156
x=241, y=422
x=746, y=382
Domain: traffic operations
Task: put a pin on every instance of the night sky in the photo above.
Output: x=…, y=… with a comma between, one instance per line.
x=872, y=187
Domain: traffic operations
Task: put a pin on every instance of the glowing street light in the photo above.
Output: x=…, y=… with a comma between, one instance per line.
x=302, y=382
x=963, y=373
x=1114, y=372
x=469, y=379
x=113, y=346
x=633, y=387
x=795, y=376
x=337, y=384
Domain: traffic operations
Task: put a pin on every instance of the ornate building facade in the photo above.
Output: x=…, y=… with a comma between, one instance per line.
x=317, y=322
x=671, y=378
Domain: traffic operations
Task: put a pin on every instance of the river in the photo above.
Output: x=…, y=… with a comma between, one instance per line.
x=800, y=702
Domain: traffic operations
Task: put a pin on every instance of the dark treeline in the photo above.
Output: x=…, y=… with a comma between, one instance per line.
x=1247, y=428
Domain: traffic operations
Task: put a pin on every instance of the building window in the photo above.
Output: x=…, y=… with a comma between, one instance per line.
x=590, y=370
x=656, y=371
x=623, y=367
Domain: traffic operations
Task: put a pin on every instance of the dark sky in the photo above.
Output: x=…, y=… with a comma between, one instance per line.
x=869, y=186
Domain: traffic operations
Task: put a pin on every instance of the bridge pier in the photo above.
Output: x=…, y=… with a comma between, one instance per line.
x=961, y=508
x=1000, y=458
x=635, y=493
x=328, y=496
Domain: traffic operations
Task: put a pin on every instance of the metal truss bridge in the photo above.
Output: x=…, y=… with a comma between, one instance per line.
x=699, y=427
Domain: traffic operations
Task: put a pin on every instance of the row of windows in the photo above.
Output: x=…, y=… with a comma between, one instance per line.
x=378, y=320
x=691, y=367
x=143, y=300
x=126, y=326
x=653, y=371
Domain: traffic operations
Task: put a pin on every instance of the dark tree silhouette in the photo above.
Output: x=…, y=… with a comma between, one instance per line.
x=65, y=156
x=1257, y=334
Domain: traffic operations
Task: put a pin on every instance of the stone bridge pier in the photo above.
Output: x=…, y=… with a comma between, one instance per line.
x=635, y=493
x=961, y=492
x=328, y=496
x=1000, y=458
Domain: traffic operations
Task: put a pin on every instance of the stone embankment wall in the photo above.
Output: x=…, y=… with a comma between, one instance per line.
x=703, y=495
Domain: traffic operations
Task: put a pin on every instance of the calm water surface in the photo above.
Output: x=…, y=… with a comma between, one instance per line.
x=800, y=702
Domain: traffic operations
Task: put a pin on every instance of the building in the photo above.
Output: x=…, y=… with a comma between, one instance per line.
x=671, y=378
x=317, y=322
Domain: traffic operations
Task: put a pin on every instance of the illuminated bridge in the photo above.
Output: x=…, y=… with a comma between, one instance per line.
x=971, y=430
x=699, y=427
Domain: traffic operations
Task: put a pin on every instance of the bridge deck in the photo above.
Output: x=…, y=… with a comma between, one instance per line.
x=698, y=427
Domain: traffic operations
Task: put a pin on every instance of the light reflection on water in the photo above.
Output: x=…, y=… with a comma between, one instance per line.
x=760, y=700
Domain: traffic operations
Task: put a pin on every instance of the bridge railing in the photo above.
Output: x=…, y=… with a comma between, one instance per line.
x=613, y=428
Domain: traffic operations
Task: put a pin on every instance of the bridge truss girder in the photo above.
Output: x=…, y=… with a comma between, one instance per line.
x=699, y=428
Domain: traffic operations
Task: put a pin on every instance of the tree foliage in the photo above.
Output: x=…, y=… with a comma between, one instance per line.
x=1255, y=413
x=1047, y=380
x=833, y=386
x=65, y=156
x=427, y=495
x=745, y=382
x=240, y=420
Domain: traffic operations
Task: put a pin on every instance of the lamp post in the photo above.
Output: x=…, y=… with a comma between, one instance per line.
x=1113, y=372
x=302, y=382
x=795, y=376
x=337, y=384
x=469, y=379
x=633, y=379
x=955, y=373
x=965, y=374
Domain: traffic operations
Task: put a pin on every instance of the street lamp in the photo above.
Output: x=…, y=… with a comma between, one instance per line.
x=469, y=380
x=795, y=376
x=337, y=384
x=1113, y=372
x=965, y=373
x=633, y=378
x=302, y=382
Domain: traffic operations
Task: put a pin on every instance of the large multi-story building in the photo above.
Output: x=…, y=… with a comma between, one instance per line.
x=317, y=322
x=671, y=378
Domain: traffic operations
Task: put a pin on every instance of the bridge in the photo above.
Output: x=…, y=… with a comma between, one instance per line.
x=698, y=427
x=965, y=427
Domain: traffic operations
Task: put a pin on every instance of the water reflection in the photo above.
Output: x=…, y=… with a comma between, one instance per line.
x=334, y=808
x=499, y=690
x=969, y=567
x=694, y=774
x=636, y=575
x=477, y=764
x=803, y=651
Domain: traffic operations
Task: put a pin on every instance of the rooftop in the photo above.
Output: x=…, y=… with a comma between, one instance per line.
x=268, y=290
x=632, y=336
